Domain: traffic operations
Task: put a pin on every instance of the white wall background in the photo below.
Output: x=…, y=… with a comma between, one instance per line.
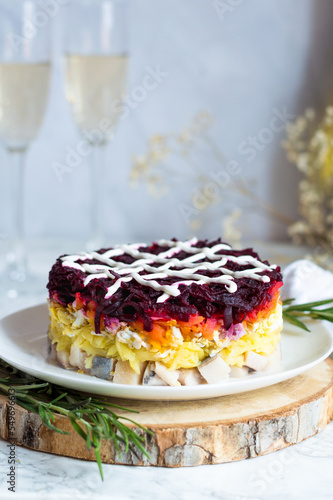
x=264, y=54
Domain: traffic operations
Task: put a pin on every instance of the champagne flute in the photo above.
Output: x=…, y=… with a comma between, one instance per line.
x=96, y=66
x=24, y=81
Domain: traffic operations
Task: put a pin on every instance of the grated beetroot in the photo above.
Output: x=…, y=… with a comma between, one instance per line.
x=133, y=302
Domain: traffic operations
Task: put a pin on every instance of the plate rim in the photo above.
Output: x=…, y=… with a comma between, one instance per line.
x=169, y=393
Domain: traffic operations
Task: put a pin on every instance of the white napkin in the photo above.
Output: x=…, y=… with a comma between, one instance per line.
x=304, y=281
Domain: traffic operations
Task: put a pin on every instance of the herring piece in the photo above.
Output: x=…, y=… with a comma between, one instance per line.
x=274, y=360
x=51, y=350
x=214, y=369
x=150, y=377
x=124, y=373
x=190, y=376
x=63, y=359
x=77, y=357
x=237, y=372
x=169, y=377
x=255, y=361
x=103, y=367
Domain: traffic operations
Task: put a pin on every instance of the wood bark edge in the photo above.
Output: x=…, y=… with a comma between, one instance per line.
x=179, y=446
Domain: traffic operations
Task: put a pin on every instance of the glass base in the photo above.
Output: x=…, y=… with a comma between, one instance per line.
x=19, y=283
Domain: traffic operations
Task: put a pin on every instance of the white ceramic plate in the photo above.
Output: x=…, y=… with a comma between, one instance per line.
x=23, y=344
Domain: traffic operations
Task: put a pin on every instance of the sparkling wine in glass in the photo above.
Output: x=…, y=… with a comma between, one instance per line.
x=24, y=82
x=96, y=67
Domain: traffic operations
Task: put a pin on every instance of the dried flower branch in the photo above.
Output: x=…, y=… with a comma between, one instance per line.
x=309, y=145
x=181, y=160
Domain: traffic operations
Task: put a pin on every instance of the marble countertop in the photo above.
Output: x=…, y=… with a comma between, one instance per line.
x=300, y=471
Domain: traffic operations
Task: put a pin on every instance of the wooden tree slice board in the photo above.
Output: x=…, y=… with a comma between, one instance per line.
x=207, y=431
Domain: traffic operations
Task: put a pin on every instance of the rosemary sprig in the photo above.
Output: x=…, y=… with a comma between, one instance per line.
x=293, y=313
x=90, y=417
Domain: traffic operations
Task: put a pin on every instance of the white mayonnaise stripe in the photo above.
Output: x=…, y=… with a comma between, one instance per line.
x=189, y=266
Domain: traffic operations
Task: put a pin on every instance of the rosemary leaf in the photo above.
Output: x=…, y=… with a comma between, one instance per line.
x=322, y=315
x=294, y=321
x=47, y=421
x=308, y=310
x=138, y=425
x=91, y=418
x=79, y=429
x=308, y=305
x=88, y=430
x=61, y=396
x=288, y=301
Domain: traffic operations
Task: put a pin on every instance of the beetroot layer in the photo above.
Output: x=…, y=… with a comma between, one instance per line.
x=133, y=301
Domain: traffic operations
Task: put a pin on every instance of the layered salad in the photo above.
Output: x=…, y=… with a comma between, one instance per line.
x=168, y=313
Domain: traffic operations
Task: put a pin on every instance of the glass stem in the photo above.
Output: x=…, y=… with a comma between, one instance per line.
x=97, y=193
x=17, y=160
